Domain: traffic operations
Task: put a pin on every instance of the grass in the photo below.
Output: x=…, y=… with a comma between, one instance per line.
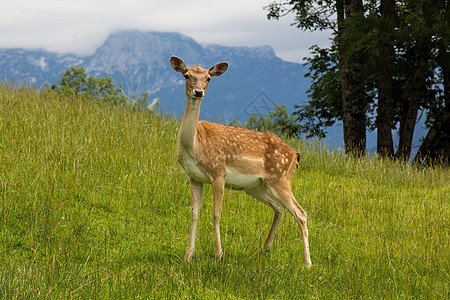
x=94, y=205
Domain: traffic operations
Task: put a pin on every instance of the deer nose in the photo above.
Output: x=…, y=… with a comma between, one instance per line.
x=199, y=93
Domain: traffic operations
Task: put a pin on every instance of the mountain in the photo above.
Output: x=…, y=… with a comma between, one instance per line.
x=256, y=79
x=34, y=66
x=139, y=61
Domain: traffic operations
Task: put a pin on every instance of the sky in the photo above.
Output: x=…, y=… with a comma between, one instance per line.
x=81, y=26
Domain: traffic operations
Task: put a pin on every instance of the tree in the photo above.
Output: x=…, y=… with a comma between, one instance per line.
x=435, y=18
x=353, y=102
x=278, y=121
x=316, y=15
x=74, y=81
x=388, y=61
x=436, y=145
x=325, y=94
x=385, y=72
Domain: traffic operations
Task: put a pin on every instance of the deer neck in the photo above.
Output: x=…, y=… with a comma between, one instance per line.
x=188, y=129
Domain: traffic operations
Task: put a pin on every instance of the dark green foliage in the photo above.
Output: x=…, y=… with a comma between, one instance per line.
x=398, y=52
x=325, y=105
x=309, y=15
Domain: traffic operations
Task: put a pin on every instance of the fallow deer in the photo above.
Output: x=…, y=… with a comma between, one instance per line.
x=258, y=163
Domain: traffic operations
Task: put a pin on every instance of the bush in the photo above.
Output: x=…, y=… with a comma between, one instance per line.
x=278, y=121
x=75, y=82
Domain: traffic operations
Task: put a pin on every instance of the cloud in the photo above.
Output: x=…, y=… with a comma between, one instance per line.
x=81, y=26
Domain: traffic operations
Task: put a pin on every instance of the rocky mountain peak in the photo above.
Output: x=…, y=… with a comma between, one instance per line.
x=139, y=61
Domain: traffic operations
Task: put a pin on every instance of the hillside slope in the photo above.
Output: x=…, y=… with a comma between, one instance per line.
x=94, y=205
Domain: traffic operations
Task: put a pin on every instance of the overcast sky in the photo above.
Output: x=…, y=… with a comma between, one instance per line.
x=80, y=26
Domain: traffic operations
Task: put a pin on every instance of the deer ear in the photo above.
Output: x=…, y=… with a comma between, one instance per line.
x=218, y=69
x=178, y=65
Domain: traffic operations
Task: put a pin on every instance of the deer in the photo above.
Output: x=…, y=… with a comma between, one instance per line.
x=259, y=163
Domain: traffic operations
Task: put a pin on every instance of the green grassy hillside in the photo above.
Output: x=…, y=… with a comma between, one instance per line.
x=94, y=205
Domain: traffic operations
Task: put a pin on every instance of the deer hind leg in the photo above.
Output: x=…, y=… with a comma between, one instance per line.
x=287, y=199
x=197, y=190
x=270, y=237
x=264, y=195
x=218, y=186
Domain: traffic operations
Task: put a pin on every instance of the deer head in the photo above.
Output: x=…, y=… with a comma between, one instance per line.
x=197, y=78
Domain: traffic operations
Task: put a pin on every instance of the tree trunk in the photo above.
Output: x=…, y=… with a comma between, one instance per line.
x=353, y=104
x=413, y=91
x=354, y=115
x=385, y=113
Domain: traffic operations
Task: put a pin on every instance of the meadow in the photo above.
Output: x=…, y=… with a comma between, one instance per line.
x=94, y=205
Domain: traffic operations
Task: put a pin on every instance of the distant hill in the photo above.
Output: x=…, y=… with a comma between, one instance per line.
x=256, y=79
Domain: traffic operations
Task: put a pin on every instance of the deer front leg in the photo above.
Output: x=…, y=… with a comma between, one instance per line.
x=218, y=187
x=197, y=190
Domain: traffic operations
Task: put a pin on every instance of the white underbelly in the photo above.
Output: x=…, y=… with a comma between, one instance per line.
x=236, y=180
x=233, y=179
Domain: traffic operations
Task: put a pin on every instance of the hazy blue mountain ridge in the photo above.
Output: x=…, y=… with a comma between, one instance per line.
x=139, y=61
x=34, y=66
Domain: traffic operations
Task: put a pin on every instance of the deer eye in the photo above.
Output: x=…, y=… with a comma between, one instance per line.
x=186, y=76
x=208, y=79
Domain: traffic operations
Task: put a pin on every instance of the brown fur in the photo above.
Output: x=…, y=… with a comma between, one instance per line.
x=218, y=150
